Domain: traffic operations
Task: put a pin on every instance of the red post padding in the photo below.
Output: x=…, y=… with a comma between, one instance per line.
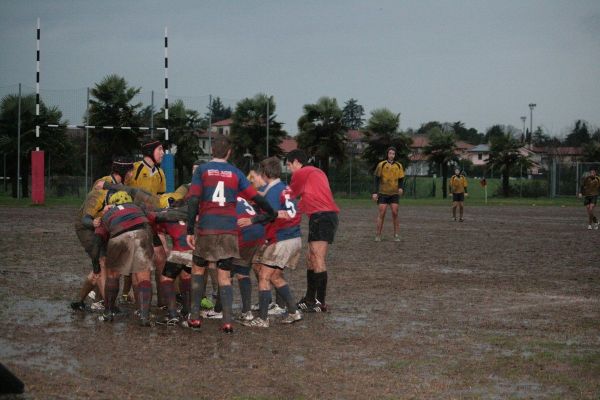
x=37, y=177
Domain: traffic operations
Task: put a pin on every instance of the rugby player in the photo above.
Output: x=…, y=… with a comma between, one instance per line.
x=590, y=189
x=282, y=248
x=215, y=188
x=389, y=175
x=88, y=218
x=311, y=185
x=458, y=189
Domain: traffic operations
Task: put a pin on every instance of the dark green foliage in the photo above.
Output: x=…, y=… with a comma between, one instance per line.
x=382, y=132
x=322, y=133
x=442, y=151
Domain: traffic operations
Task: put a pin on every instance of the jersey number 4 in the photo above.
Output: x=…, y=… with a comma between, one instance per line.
x=219, y=194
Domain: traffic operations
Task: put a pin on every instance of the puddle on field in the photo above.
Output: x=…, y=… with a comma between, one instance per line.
x=354, y=321
x=39, y=312
x=43, y=357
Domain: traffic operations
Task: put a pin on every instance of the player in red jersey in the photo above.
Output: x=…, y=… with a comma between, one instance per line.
x=213, y=195
x=316, y=201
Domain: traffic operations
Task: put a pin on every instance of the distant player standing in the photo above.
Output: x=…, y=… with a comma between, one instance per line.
x=458, y=189
x=389, y=175
x=590, y=189
x=316, y=200
x=215, y=188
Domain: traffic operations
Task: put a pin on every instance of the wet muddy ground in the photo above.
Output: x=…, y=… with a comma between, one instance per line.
x=504, y=305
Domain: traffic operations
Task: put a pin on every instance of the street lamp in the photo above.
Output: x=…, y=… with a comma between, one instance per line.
x=531, y=107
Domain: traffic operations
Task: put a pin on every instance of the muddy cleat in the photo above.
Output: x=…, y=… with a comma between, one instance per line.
x=226, y=328
x=596, y=225
x=92, y=295
x=274, y=309
x=396, y=238
x=212, y=314
x=317, y=307
x=168, y=321
x=257, y=322
x=193, y=324
x=291, y=318
x=107, y=317
x=78, y=306
x=247, y=316
x=378, y=238
x=589, y=227
x=304, y=304
x=97, y=306
x=461, y=220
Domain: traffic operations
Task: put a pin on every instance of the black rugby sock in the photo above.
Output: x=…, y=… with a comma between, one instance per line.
x=145, y=295
x=321, y=283
x=167, y=292
x=184, y=289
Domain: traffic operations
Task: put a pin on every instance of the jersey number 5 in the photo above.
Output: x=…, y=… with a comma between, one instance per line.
x=219, y=194
x=289, y=205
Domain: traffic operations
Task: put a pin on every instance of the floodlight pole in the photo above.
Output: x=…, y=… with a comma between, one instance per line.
x=524, y=118
x=268, y=123
x=531, y=107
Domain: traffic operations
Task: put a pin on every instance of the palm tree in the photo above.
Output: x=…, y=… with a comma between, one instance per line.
x=591, y=151
x=322, y=132
x=248, y=130
x=112, y=105
x=442, y=151
x=504, y=156
x=382, y=132
x=183, y=123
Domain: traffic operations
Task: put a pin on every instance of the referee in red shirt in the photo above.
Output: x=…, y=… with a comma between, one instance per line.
x=310, y=184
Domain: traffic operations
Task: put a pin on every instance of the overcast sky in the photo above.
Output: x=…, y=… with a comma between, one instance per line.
x=479, y=62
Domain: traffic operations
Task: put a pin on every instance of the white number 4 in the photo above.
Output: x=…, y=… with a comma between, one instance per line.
x=219, y=194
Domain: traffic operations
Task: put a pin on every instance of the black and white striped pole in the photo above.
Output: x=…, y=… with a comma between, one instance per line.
x=37, y=156
x=168, y=163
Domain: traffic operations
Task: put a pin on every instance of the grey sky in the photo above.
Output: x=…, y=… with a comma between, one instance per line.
x=480, y=62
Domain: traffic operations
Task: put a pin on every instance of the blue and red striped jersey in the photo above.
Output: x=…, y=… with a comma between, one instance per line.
x=121, y=218
x=177, y=231
x=217, y=184
x=254, y=234
x=278, y=195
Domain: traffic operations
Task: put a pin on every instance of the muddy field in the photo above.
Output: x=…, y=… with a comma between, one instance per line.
x=504, y=305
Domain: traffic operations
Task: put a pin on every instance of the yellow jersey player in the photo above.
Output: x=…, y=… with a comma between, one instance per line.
x=458, y=189
x=147, y=173
x=389, y=175
x=590, y=189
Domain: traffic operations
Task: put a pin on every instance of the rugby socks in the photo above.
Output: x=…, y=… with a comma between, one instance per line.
x=184, y=289
x=127, y=285
x=286, y=294
x=311, y=287
x=85, y=289
x=321, y=284
x=226, y=294
x=279, y=300
x=145, y=295
x=196, y=294
x=218, y=304
x=264, y=299
x=112, y=292
x=454, y=212
x=167, y=292
x=245, y=293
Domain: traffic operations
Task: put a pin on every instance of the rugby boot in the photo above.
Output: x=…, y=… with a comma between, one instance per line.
x=226, y=328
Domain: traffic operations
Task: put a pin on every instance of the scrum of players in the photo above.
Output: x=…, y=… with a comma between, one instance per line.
x=225, y=225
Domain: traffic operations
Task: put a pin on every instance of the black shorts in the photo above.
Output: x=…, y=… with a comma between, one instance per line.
x=156, y=242
x=590, y=200
x=322, y=227
x=388, y=198
x=458, y=197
